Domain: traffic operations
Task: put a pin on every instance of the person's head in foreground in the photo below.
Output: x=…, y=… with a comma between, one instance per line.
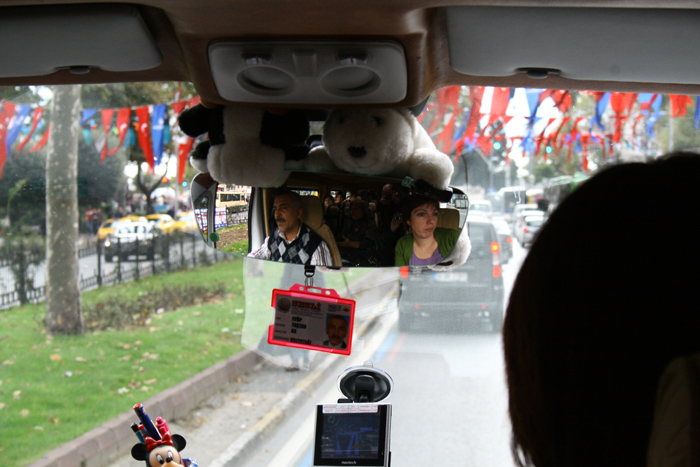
x=605, y=300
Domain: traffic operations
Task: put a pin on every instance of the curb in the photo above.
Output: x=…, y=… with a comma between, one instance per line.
x=99, y=446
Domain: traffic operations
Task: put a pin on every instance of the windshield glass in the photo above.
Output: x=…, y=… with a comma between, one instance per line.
x=146, y=316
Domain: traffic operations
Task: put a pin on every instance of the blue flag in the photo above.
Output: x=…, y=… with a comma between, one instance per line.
x=87, y=115
x=600, y=107
x=157, y=127
x=16, y=125
x=533, y=102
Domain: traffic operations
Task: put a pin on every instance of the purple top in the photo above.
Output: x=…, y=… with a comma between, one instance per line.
x=416, y=261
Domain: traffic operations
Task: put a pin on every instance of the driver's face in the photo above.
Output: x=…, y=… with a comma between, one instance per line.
x=286, y=215
x=337, y=330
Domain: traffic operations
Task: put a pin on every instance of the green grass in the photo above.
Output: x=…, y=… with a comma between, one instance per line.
x=234, y=227
x=53, y=389
x=238, y=248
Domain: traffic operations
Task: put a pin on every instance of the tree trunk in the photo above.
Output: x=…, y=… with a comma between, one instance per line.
x=147, y=189
x=63, y=308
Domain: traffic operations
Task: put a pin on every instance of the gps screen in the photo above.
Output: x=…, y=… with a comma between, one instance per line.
x=351, y=438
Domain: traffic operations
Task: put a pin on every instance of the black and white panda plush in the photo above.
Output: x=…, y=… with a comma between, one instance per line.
x=246, y=145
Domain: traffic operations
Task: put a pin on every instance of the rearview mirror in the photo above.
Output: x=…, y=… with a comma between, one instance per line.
x=335, y=220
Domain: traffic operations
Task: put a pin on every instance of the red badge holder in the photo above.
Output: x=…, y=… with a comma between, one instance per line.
x=312, y=318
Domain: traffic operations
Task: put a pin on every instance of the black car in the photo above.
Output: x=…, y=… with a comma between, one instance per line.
x=131, y=239
x=468, y=294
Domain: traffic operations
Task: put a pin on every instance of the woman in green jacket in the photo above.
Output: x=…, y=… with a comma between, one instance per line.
x=426, y=243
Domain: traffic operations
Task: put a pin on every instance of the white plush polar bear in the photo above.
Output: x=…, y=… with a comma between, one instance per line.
x=380, y=142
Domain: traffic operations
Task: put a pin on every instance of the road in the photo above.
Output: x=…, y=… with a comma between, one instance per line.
x=449, y=400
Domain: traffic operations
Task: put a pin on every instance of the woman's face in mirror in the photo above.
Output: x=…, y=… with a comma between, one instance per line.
x=423, y=220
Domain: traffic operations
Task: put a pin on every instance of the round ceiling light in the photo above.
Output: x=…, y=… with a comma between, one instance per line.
x=266, y=79
x=353, y=80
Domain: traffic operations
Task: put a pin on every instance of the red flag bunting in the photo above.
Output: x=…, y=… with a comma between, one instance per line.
x=107, y=125
x=8, y=110
x=144, y=134
x=42, y=142
x=178, y=107
x=36, y=118
x=679, y=105
x=194, y=101
x=182, y=152
x=475, y=94
x=123, y=116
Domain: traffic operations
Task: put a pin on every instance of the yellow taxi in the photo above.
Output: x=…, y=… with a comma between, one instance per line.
x=107, y=227
x=164, y=222
x=186, y=223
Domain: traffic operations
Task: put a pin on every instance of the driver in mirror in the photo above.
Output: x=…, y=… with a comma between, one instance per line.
x=292, y=241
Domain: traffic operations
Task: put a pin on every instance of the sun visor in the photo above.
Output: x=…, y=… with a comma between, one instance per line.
x=309, y=72
x=601, y=44
x=41, y=40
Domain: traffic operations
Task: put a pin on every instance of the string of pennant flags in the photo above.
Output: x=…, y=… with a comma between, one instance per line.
x=509, y=118
x=144, y=125
x=498, y=117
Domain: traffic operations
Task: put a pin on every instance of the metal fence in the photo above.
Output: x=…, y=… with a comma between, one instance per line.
x=23, y=269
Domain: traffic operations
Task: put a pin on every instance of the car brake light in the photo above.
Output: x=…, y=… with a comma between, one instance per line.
x=496, y=250
x=404, y=272
x=510, y=240
x=496, y=271
x=524, y=229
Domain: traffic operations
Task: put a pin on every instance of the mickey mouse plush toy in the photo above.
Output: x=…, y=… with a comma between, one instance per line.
x=164, y=452
x=157, y=446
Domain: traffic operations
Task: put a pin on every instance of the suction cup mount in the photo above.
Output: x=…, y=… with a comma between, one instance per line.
x=364, y=384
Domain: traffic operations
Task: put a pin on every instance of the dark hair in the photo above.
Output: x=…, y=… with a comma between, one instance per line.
x=362, y=205
x=330, y=317
x=413, y=202
x=601, y=305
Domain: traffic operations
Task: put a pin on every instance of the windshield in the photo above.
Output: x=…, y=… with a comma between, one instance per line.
x=168, y=309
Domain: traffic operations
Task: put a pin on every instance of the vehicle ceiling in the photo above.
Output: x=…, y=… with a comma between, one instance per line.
x=183, y=30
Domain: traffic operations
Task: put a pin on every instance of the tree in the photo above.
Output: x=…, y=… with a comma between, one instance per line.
x=147, y=184
x=63, y=307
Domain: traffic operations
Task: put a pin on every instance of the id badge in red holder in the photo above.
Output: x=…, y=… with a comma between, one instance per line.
x=312, y=318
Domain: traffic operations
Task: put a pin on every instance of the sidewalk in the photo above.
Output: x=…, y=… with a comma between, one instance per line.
x=101, y=446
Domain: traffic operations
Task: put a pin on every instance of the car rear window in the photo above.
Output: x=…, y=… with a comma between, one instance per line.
x=480, y=233
x=534, y=222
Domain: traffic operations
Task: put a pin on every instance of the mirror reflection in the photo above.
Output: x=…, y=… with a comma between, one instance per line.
x=334, y=220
